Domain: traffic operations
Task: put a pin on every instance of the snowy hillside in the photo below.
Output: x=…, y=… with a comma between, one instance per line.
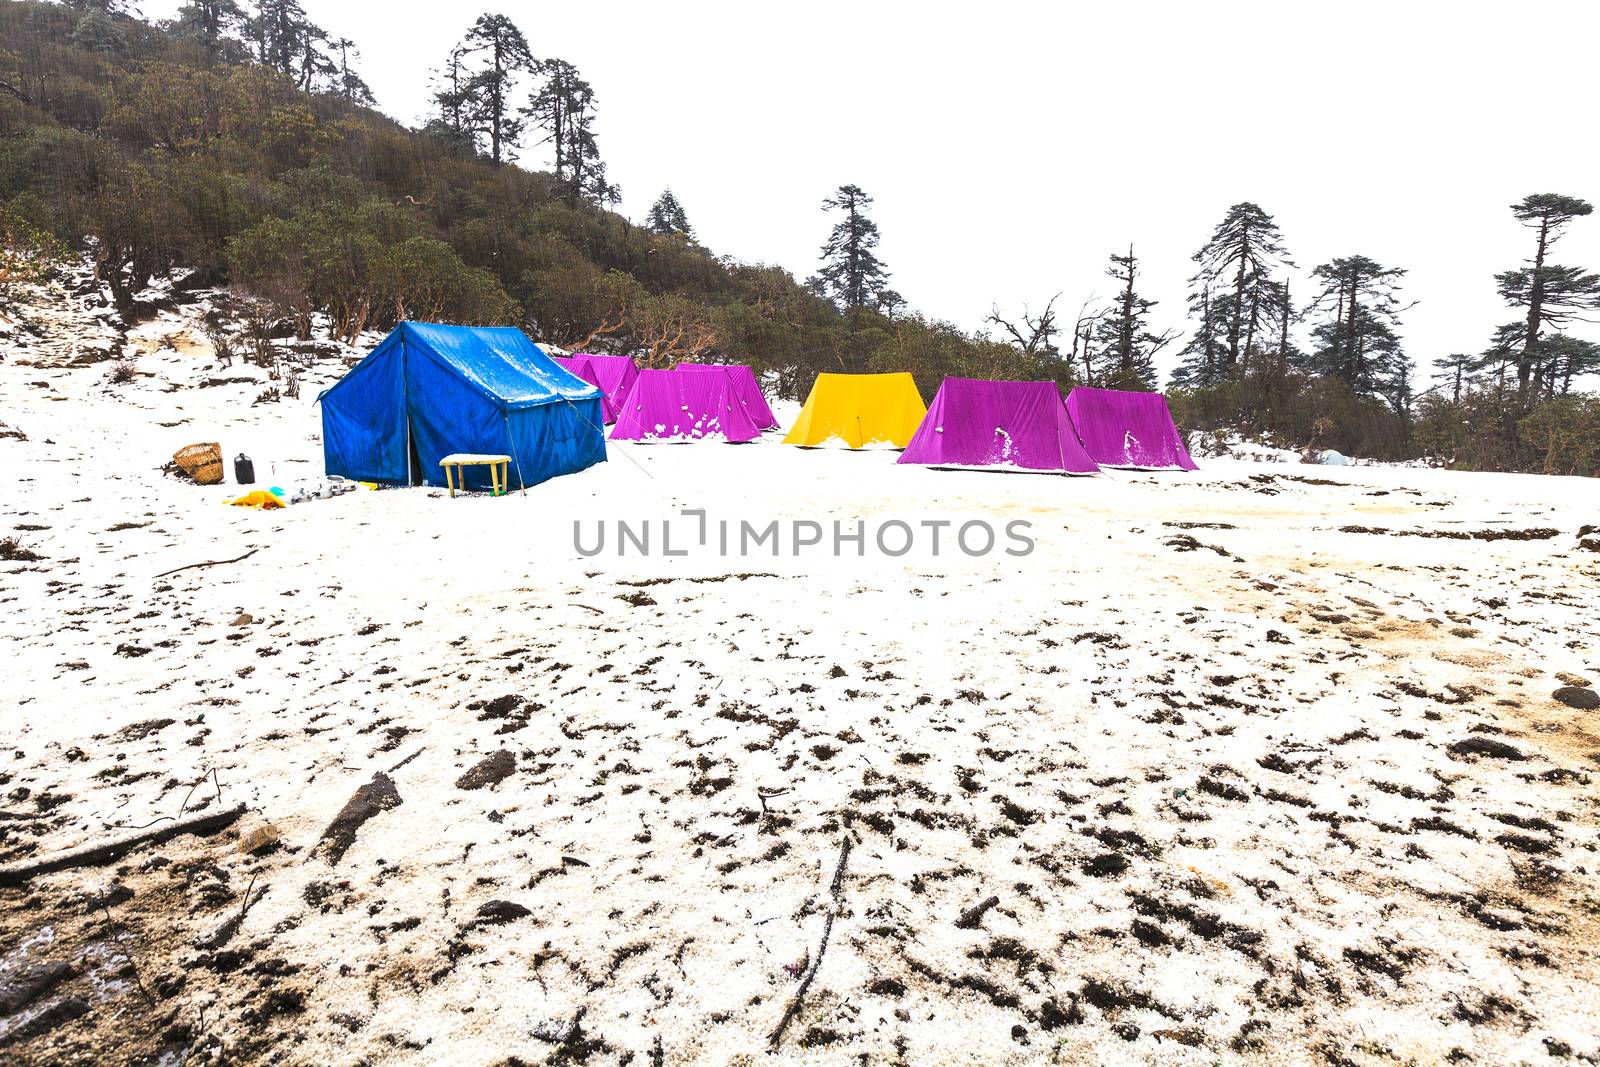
x=1260, y=764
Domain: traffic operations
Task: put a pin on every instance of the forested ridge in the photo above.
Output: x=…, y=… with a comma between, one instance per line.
x=239, y=140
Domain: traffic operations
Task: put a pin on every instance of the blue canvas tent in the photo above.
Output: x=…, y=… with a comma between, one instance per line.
x=428, y=391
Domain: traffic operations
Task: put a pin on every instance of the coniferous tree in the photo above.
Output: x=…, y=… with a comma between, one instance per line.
x=1568, y=358
x=1550, y=296
x=1456, y=369
x=288, y=41
x=852, y=276
x=1357, y=315
x=97, y=31
x=503, y=54
x=453, y=121
x=1123, y=337
x=563, y=107
x=348, y=84
x=1206, y=353
x=668, y=218
x=213, y=23
x=1232, y=294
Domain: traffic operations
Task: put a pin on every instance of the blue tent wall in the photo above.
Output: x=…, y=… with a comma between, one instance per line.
x=556, y=437
x=448, y=415
x=460, y=389
x=364, y=430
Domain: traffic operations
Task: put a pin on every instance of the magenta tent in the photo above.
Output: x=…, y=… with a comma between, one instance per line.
x=748, y=391
x=1017, y=425
x=1123, y=429
x=664, y=405
x=614, y=374
x=583, y=368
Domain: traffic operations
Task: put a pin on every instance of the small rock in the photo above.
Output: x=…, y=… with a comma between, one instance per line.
x=21, y=985
x=138, y=731
x=376, y=796
x=496, y=912
x=1577, y=696
x=491, y=770
x=260, y=841
x=560, y=1031
x=244, y=618
x=1486, y=746
x=47, y=1018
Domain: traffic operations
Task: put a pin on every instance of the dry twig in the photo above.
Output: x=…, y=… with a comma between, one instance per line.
x=836, y=890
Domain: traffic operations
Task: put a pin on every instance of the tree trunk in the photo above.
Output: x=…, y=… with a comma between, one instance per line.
x=1238, y=302
x=1530, y=340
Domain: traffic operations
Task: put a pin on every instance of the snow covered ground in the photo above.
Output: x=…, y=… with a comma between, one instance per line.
x=1259, y=764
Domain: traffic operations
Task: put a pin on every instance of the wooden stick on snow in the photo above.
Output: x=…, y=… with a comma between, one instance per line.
x=836, y=891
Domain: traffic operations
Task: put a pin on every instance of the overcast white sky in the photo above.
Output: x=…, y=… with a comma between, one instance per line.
x=1010, y=149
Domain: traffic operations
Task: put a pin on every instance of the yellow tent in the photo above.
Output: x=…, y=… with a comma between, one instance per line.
x=860, y=410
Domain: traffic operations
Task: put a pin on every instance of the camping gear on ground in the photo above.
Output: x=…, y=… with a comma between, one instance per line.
x=202, y=462
x=258, y=498
x=664, y=405
x=746, y=389
x=975, y=423
x=859, y=410
x=429, y=391
x=496, y=465
x=1127, y=429
x=583, y=368
x=616, y=374
x=244, y=471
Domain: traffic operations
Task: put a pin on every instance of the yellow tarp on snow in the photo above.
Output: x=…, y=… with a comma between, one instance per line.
x=860, y=410
x=259, y=498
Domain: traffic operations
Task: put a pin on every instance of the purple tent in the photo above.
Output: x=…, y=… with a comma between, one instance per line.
x=975, y=423
x=1122, y=429
x=583, y=368
x=616, y=375
x=666, y=406
x=747, y=389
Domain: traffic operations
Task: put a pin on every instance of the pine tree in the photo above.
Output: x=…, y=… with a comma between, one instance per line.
x=1550, y=296
x=103, y=7
x=667, y=217
x=1456, y=369
x=350, y=85
x=1568, y=358
x=288, y=41
x=97, y=31
x=1206, y=352
x=852, y=275
x=1232, y=293
x=214, y=23
x=564, y=108
x=1357, y=315
x=453, y=120
x=1127, y=346
x=504, y=55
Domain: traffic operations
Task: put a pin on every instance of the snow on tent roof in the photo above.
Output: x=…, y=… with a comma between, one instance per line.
x=976, y=423
x=499, y=361
x=427, y=391
x=666, y=406
x=746, y=389
x=859, y=410
x=583, y=368
x=1126, y=429
x=616, y=374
